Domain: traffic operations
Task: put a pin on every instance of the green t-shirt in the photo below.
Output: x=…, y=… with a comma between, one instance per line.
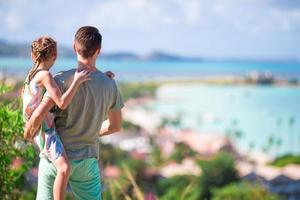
x=79, y=125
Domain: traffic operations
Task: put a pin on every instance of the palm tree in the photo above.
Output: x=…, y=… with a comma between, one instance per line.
x=291, y=123
x=271, y=143
x=278, y=145
x=278, y=123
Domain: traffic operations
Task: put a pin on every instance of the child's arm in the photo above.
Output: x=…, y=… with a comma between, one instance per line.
x=63, y=100
x=37, y=117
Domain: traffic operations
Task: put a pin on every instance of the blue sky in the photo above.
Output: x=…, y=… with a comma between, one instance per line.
x=263, y=29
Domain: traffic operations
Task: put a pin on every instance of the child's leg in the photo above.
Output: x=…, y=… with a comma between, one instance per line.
x=55, y=152
x=61, y=181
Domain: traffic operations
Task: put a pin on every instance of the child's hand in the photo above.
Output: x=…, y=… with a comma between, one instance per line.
x=82, y=76
x=26, y=135
x=29, y=135
x=110, y=74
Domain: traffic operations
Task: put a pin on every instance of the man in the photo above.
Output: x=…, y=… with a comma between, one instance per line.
x=82, y=122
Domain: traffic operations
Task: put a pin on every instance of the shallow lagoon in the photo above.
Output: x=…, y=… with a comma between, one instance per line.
x=257, y=112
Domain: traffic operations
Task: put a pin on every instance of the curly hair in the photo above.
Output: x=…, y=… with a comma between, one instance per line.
x=42, y=49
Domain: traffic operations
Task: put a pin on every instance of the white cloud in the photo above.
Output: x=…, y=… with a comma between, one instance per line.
x=141, y=15
x=204, y=27
x=12, y=21
x=191, y=10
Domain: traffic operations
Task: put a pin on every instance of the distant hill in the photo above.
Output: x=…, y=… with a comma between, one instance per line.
x=23, y=50
x=121, y=56
x=20, y=50
x=160, y=56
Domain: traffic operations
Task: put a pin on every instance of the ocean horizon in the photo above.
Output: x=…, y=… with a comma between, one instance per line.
x=144, y=70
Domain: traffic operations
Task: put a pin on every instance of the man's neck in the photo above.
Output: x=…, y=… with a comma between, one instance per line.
x=88, y=64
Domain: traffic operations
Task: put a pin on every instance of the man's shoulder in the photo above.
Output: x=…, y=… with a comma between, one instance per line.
x=64, y=74
x=104, y=78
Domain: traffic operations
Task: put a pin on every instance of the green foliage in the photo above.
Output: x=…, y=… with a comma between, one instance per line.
x=115, y=189
x=16, y=157
x=135, y=90
x=181, y=152
x=112, y=155
x=178, y=187
x=243, y=191
x=4, y=88
x=128, y=126
x=121, y=187
x=155, y=157
x=29, y=194
x=217, y=173
x=137, y=168
x=174, y=121
x=129, y=182
x=285, y=160
x=11, y=148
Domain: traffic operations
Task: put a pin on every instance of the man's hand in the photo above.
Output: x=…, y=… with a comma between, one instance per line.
x=112, y=124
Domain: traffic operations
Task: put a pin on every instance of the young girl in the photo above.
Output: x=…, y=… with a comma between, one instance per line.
x=38, y=81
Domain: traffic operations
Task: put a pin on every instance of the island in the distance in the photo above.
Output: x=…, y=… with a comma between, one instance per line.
x=22, y=50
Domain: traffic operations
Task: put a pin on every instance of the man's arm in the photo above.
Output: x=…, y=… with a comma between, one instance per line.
x=37, y=118
x=112, y=124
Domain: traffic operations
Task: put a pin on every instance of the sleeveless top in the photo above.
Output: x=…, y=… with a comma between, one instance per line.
x=32, y=97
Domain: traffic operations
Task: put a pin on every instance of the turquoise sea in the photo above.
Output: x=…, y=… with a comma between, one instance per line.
x=140, y=70
x=262, y=117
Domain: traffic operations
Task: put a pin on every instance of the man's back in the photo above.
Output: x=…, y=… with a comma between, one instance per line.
x=80, y=124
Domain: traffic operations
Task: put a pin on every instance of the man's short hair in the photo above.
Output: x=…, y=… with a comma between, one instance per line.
x=87, y=40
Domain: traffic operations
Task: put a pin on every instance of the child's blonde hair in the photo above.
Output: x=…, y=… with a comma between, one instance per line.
x=42, y=49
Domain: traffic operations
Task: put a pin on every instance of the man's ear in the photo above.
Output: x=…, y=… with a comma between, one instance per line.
x=99, y=51
x=55, y=55
x=74, y=47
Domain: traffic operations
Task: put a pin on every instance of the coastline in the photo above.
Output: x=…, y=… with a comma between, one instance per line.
x=143, y=96
x=245, y=79
x=250, y=110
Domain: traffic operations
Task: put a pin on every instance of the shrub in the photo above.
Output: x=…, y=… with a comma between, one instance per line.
x=243, y=191
x=179, y=187
x=181, y=152
x=285, y=160
x=217, y=173
x=15, y=156
x=136, y=90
